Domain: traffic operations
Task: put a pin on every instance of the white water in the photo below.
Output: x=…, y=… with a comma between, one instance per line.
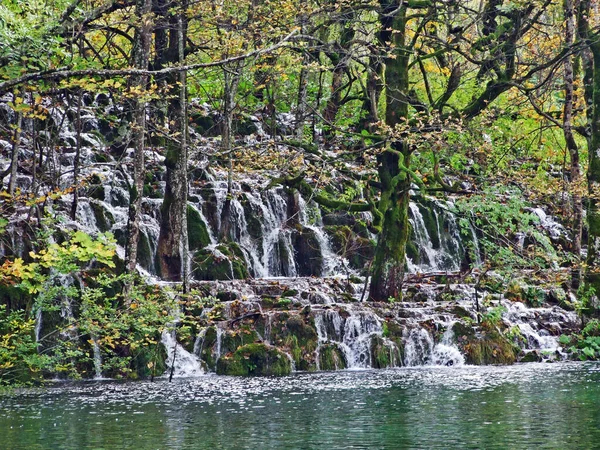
x=185, y=364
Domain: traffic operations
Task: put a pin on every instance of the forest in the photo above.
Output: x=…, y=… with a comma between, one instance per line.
x=261, y=187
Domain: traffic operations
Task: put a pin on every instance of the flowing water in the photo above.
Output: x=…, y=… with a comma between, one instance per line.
x=522, y=406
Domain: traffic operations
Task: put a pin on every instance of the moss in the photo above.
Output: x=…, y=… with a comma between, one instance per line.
x=227, y=264
x=331, y=358
x=234, y=339
x=289, y=293
x=532, y=356
x=206, y=351
x=484, y=346
x=255, y=360
x=383, y=354
x=144, y=253
x=96, y=191
x=309, y=256
x=104, y=218
x=198, y=236
x=345, y=241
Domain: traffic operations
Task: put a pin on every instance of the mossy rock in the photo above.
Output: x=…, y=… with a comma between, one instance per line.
x=104, y=218
x=198, y=236
x=145, y=255
x=356, y=249
x=331, y=357
x=224, y=264
x=253, y=223
x=484, y=346
x=234, y=339
x=206, y=349
x=255, y=360
x=96, y=191
x=532, y=356
x=384, y=355
x=393, y=331
x=301, y=339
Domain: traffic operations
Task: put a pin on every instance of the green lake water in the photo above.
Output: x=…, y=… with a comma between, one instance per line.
x=523, y=406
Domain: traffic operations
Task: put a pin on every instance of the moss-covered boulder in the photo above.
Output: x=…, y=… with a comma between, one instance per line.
x=484, y=345
x=331, y=357
x=104, y=218
x=384, y=353
x=198, y=236
x=225, y=262
x=255, y=360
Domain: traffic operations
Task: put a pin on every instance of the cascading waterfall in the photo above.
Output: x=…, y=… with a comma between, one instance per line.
x=421, y=350
x=179, y=361
x=268, y=239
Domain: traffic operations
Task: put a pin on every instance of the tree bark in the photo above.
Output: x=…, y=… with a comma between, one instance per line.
x=141, y=58
x=173, y=246
x=390, y=253
x=14, y=163
x=575, y=170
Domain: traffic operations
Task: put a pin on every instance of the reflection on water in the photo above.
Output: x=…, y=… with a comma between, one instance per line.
x=524, y=406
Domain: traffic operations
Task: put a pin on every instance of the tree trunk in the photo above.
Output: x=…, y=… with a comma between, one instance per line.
x=390, y=253
x=232, y=77
x=14, y=163
x=572, y=145
x=141, y=58
x=173, y=246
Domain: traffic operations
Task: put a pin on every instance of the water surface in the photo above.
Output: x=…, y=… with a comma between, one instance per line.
x=522, y=406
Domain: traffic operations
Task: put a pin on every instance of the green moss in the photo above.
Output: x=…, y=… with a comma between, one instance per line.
x=198, y=236
x=384, y=355
x=206, y=351
x=230, y=264
x=234, y=339
x=484, y=346
x=144, y=252
x=104, y=218
x=331, y=358
x=255, y=360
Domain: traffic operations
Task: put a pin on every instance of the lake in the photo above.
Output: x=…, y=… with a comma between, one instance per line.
x=521, y=406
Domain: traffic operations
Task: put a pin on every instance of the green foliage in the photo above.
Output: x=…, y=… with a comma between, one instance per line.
x=19, y=361
x=501, y=217
x=493, y=316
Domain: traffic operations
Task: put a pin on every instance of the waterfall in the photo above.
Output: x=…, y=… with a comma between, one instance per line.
x=420, y=349
x=185, y=364
x=97, y=359
x=352, y=335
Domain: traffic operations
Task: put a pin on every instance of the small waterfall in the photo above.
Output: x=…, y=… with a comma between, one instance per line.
x=446, y=353
x=199, y=342
x=38, y=325
x=218, y=350
x=185, y=364
x=97, y=359
x=353, y=335
x=420, y=349
x=439, y=249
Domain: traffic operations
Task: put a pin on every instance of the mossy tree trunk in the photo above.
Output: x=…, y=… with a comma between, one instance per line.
x=573, y=148
x=592, y=62
x=390, y=254
x=141, y=55
x=173, y=238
